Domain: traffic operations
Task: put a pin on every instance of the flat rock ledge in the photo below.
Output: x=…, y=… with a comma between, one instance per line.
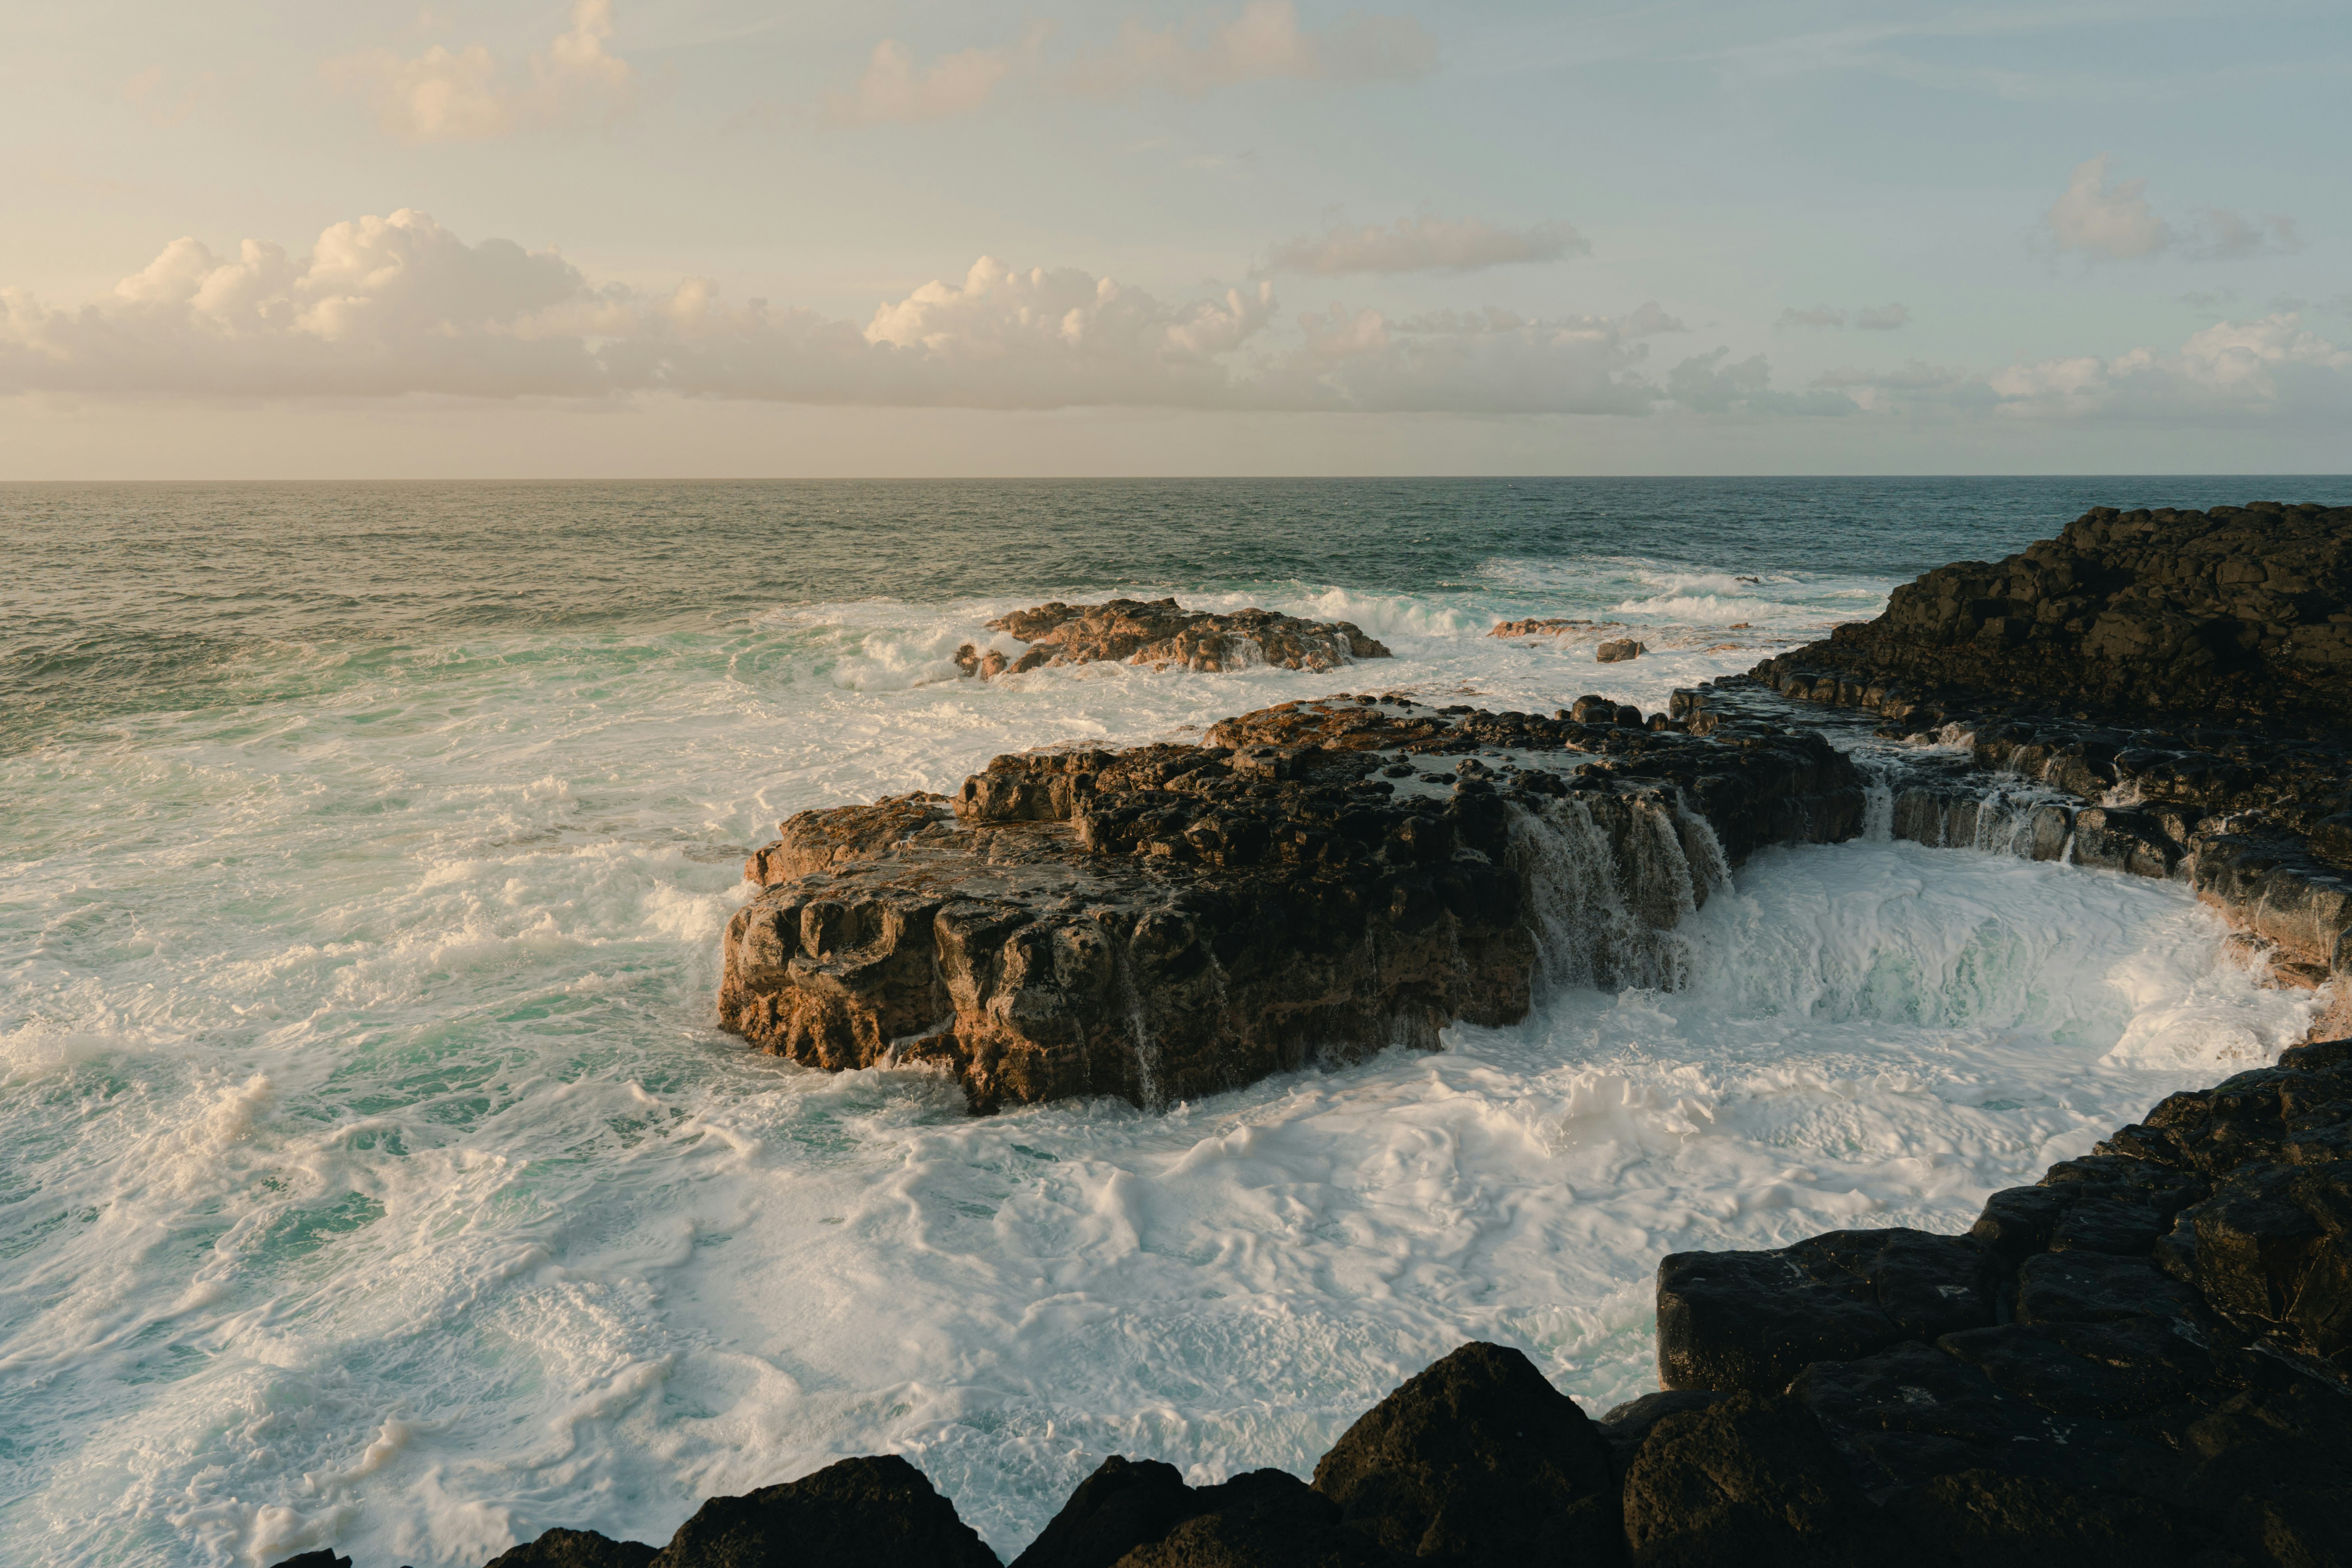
x=1315, y=882
x=1164, y=633
x=2141, y=1362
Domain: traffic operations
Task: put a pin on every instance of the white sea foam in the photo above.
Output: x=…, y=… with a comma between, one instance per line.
x=379, y=1180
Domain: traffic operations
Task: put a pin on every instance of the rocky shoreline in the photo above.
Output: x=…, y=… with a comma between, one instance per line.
x=2143, y=1359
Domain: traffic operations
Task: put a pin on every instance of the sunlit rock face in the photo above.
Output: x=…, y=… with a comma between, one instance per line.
x=1318, y=881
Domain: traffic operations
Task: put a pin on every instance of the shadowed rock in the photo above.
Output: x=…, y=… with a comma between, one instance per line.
x=575, y=1549
x=1478, y=1459
x=873, y=1513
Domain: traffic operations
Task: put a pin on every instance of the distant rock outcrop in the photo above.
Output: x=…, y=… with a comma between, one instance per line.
x=1162, y=632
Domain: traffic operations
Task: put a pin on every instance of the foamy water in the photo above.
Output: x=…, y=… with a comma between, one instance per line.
x=374, y=1175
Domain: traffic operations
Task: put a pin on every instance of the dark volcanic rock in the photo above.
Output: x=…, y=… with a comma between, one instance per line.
x=1161, y=633
x=1125, y=1504
x=873, y=1513
x=1750, y=1321
x=1478, y=1459
x=322, y=1558
x=1266, y=1518
x=2237, y=610
x=1751, y=1480
x=1170, y=921
x=2164, y=1378
x=575, y=1549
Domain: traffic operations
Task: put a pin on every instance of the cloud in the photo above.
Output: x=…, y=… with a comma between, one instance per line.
x=2116, y=222
x=1425, y=245
x=2270, y=368
x=467, y=96
x=384, y=307
x=1888, y=318
x=1705, y=385
x=893, y=90
x=1820, y=319
x=2113, y=222
x=1263, y=42
x=2217, y=234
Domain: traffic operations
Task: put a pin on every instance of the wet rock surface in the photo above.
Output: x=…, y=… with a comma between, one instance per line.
x=1163, y=634
x=1316, y=881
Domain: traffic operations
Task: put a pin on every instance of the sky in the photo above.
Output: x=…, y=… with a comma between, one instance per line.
x=593, y=238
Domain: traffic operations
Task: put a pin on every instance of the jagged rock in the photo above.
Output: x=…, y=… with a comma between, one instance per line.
x=873, y=1513
x=1751, y=1320
x=1161, y=633
x=1171, y=920
x=1476, y=1460
x=1617, y=649
x=1549, y=626
x=1125, y=1504
x=322, y=1558
x=575, y=1549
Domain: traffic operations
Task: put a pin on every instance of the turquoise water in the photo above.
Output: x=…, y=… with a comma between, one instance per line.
x=370, y=1171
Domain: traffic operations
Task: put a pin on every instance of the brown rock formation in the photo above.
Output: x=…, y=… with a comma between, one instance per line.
x=1173, y=920
x=1161, y=633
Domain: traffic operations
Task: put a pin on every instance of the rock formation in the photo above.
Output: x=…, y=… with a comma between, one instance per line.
x=2143, y=1358
x=1618, y=649
x=2240, y=610
x=2185, y=678
x=1170, y=921
x=1161, y=633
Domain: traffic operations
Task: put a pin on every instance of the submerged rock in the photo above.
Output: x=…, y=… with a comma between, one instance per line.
x=1618, y=649
x=1163, y=634
x=1170, y=921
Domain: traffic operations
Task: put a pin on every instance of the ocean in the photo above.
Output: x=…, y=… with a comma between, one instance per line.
x=373, y=1173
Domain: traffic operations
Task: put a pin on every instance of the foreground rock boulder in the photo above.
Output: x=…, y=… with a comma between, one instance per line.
x=873, y=1513
x=1164, y=633
x=1478, y=1459
x=1316, y=882
x=2146, y=1358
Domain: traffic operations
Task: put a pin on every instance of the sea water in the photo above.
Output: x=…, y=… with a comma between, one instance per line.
x=372, y=1173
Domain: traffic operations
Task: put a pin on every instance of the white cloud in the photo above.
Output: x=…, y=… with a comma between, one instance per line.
x=2110, y=221
x=1263, y=42
x=1425, y=245
x=389, y=306
x=465, y=95
x=1891, y=317
x=1215, y=49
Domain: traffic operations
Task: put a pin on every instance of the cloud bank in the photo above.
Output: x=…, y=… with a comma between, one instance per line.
x=467, y=96
x=386, y=307
x=1263, y=42
x=1425, y=245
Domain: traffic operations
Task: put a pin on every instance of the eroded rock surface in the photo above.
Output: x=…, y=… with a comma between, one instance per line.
x=1318, y=881
x=1161, y=633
